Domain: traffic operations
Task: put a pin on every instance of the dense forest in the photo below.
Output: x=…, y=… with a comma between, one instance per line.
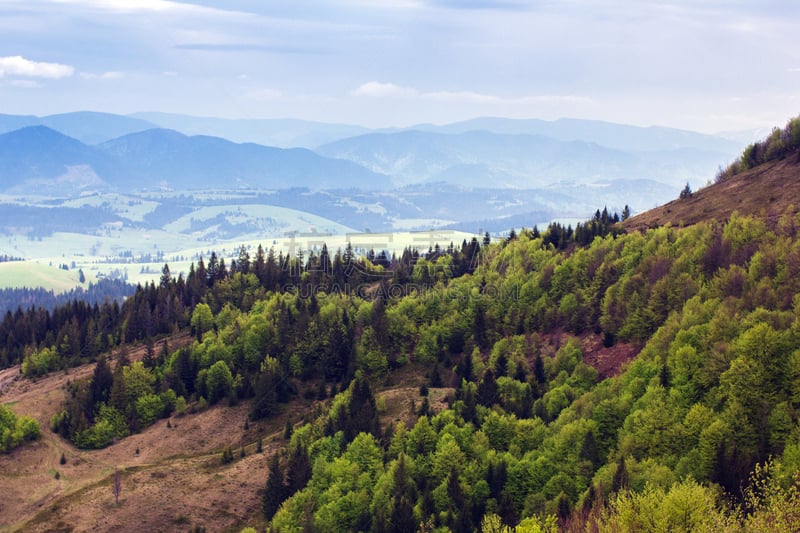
x=697, y=431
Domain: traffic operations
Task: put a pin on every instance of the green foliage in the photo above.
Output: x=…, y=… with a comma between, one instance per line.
x=202, y=319
x=778, y=145
x=219, y=381
x=686, y=507
x=773, y=497
x=109, y=425
x=15, y=430
x=713, y=392
x=138, y=381
x=40, y=362
x=149, y=408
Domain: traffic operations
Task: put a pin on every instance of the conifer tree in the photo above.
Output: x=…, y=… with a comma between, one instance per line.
x=276, y=491
x=403, y=498
x=487, y=389
x=298, y=470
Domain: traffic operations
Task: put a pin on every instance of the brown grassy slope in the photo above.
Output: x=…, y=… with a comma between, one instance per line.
x=768, y=191
x=172, y=477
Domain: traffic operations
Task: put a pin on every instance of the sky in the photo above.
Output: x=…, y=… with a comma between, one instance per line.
x=704, y=65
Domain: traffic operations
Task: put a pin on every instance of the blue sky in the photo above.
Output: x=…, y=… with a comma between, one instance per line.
x=704, y=65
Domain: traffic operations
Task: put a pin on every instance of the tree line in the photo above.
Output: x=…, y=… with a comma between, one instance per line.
x=778, y=145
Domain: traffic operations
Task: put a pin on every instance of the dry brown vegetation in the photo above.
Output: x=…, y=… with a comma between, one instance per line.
x=767, y=191
x=172, y=477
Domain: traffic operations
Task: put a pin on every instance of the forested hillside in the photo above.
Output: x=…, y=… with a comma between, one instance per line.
x=538, y=430
x=531, y=430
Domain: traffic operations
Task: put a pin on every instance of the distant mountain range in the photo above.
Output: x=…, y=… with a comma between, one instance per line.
x=86, y=126
x=611, y=135
x=41, y=160
x=283, y=133
x=477, y=158
x=78, y=152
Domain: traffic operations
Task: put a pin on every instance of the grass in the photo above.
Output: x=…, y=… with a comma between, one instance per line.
x=31, y=274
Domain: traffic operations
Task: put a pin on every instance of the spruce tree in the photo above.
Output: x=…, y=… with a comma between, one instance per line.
x=276, y=491
x=487, y=390
x=621, y=477
x=403, y=498
x=298, y=471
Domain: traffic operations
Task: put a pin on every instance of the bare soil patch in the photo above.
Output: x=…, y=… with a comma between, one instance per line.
x=608, y=361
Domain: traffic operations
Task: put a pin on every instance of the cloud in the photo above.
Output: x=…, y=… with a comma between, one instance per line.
x=499, y=5
x=250, y=47
x=110, y=75
x=131, y=5
x=19, y=66
x=376, y=89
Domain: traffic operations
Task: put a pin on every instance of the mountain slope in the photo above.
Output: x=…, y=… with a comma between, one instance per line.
x=166, y=157
x=767, y=190
x=40, y=159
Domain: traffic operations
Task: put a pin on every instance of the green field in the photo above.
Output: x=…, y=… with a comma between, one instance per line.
x=32, y=274
x=98, y=255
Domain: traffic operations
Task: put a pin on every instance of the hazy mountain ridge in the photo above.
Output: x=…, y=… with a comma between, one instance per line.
x=164, y=158
x=623, y=151
x=485, y=174
x=518, y=160
x=612, y=135
x=88, y=127
x=282, y=133
x=40, y=157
